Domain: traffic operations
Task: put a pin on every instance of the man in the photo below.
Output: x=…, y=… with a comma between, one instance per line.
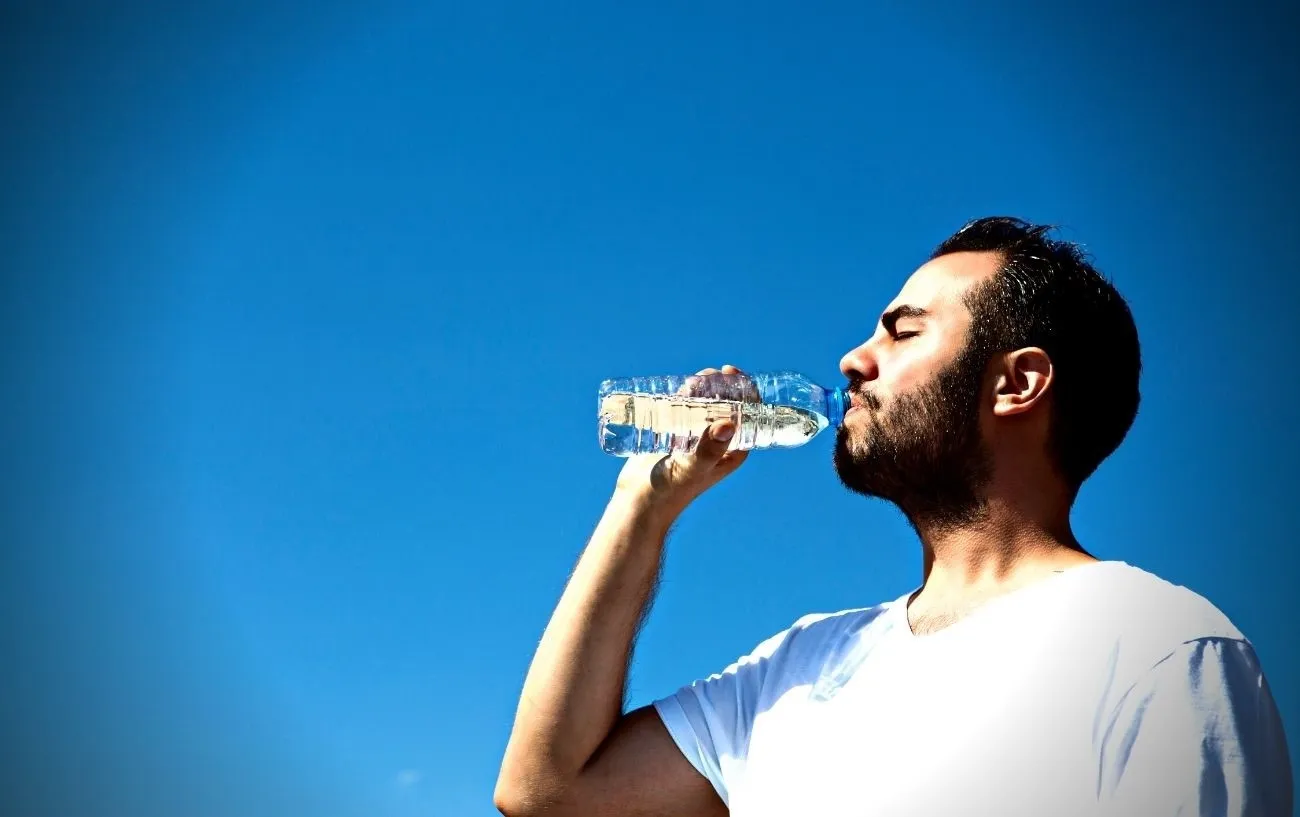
x=1023, y=677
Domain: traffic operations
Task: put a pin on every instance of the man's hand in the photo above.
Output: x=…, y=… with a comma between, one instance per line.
x=573, y=751
x=672, y=481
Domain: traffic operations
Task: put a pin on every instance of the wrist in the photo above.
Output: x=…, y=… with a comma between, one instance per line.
x=645, y=507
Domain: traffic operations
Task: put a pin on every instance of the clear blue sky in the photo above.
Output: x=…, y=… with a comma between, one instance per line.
x=306, y=306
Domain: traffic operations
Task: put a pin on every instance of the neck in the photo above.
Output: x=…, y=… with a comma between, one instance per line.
x=1005, y=545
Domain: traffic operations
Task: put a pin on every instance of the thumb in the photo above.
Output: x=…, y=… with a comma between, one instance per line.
x=714, y=441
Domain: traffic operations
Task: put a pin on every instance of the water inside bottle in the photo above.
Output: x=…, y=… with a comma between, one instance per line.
x=640, y=423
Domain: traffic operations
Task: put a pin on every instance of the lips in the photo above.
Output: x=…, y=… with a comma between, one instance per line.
x=862, y=401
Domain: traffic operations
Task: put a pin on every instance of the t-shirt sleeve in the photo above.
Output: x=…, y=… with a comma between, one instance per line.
x=1198, y=735
x=710, y=720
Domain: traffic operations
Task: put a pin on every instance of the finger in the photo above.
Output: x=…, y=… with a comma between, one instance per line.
x=730, y=461
x=746, y=389
x=691, y=385
x=714, y=441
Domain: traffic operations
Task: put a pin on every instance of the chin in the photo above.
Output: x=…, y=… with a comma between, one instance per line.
x=849, y=458
x=852, y=438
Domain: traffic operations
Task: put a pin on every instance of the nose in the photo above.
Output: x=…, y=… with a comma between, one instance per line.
x=860, y=364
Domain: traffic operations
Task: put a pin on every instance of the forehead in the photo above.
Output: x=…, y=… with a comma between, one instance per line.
x=939, y=285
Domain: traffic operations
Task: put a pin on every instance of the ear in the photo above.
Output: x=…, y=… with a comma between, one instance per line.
x=1021, y=381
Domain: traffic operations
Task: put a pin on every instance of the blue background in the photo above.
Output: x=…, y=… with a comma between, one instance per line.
x=306, y=305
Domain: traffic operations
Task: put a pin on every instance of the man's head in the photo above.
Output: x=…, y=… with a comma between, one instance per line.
x=1007, y=349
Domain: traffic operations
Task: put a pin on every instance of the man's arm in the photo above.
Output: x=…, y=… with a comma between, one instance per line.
x=572, y=751
x=1200, y=736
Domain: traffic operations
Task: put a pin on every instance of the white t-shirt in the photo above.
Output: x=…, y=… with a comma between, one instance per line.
x=1102, y=690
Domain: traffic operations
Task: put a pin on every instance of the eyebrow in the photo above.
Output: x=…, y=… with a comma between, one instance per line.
x=898, y=313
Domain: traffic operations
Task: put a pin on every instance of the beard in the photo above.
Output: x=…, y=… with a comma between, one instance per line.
x=923, y=452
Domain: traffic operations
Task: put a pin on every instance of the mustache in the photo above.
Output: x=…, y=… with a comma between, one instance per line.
x=857, y=390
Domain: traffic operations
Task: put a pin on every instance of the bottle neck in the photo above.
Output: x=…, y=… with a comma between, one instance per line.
x=837, y=403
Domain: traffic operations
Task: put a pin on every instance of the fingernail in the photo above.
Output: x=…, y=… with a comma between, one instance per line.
x=724, y=433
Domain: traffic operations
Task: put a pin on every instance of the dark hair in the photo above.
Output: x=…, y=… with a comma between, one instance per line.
x=1047, y=294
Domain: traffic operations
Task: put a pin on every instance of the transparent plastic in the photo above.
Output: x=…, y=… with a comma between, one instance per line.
x=645, y=415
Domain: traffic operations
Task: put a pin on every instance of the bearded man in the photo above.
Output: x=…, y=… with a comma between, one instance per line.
x=1023, y=676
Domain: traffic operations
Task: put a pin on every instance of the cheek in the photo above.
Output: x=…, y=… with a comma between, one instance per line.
x=919, y=359
x=910, y=374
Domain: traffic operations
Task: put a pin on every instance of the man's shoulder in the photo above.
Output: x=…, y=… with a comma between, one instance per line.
x=820, y=636
x=814, y=644
x=850, y=622
x=1135, y=621
x=851, y=617
x=1140, y=601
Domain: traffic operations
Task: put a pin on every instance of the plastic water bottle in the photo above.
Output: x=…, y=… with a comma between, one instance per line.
x=642, y=415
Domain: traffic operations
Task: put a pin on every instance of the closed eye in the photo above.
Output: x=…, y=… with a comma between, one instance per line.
x=905, y=335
